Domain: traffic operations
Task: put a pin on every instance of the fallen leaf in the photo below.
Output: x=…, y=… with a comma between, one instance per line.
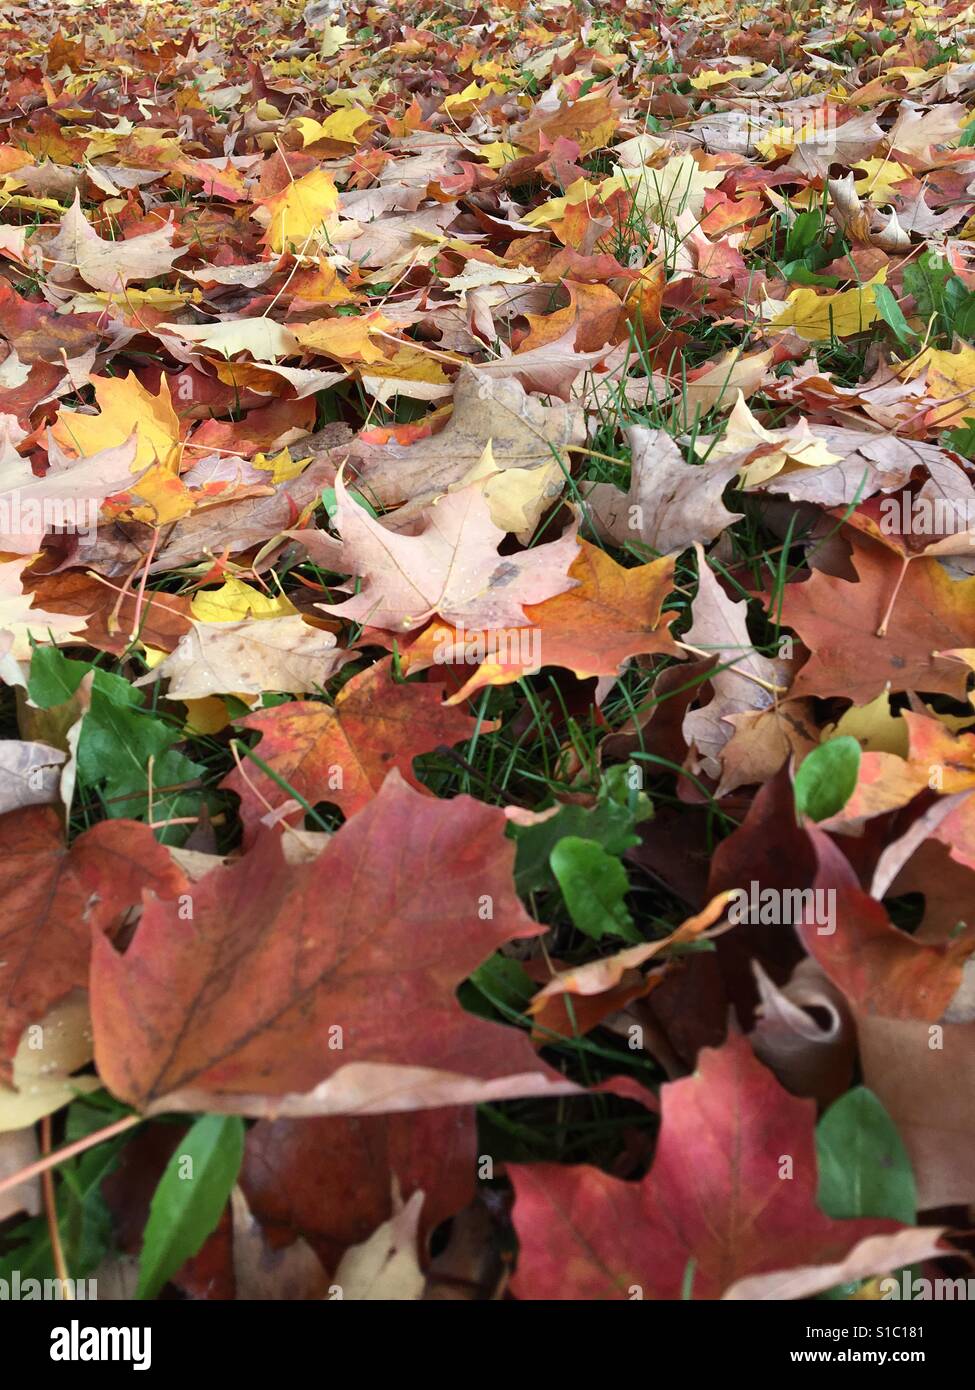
x=107, y=265
x=343, y=751
x=248, y=658
x=411, y=931
x=409, y=578
x=713, y=1211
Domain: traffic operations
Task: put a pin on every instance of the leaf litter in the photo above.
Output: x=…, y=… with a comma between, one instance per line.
x=486, y=642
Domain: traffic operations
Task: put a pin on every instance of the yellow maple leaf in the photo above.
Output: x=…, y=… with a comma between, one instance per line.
x=355, y=96
x=124, y=404
x=300, y=211
x=341, y=125
x=133, y=300
x=235, y=600
x=819, y=317
x=165, y=498
x=950, y=378
x=282, y=467
x=334, y=37
x=346, y=338
x=877, y=730
x=879, y=179
x=516, y=496
x=705, y=80
x=499, y=153
x=784, y=451
x=582, y=191
x=679, y=185
x=208, y=715
x=410, y=371
x=465, y=102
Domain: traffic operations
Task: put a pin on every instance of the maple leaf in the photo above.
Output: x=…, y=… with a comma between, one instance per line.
x=949, y=378
x=249, y=658
x=452, y=567
x=611, y=614
x=110, y=618
x=342, y=752
x=521, y=431
x=715, y=386
x=23, y=621
x=345, y=339
x=233, y=526
x=678, y=186
x=55, y=896
x=68, y=494
x=300, y=214
x=670, y=504
x=713, y=1212
x=124, y=404
x=743, y=681
x=885, y=630
x=108, y=265
x=372, y=938
x=820, y=317
x=263, y=338
x=761, y=453
x=37, y=334
x=880, y=969
x=865, y=463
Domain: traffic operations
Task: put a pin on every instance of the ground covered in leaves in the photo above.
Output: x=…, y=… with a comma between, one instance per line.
x=487, y=613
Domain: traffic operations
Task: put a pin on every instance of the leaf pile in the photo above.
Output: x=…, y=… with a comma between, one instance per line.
x=487, y=628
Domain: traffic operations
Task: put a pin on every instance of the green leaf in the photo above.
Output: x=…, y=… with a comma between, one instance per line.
x=799, y=273
x=804, y=234
x=937, y=289
x=827, y=778
x=331, y=503
x=608, y=823
x=622, y=783
x=962, y=438
x=864, y=1169
x=892, y=315
x=594, y=885
x=118, y=737
x=501, y=983
x=190, y=1198
x=964, y=323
